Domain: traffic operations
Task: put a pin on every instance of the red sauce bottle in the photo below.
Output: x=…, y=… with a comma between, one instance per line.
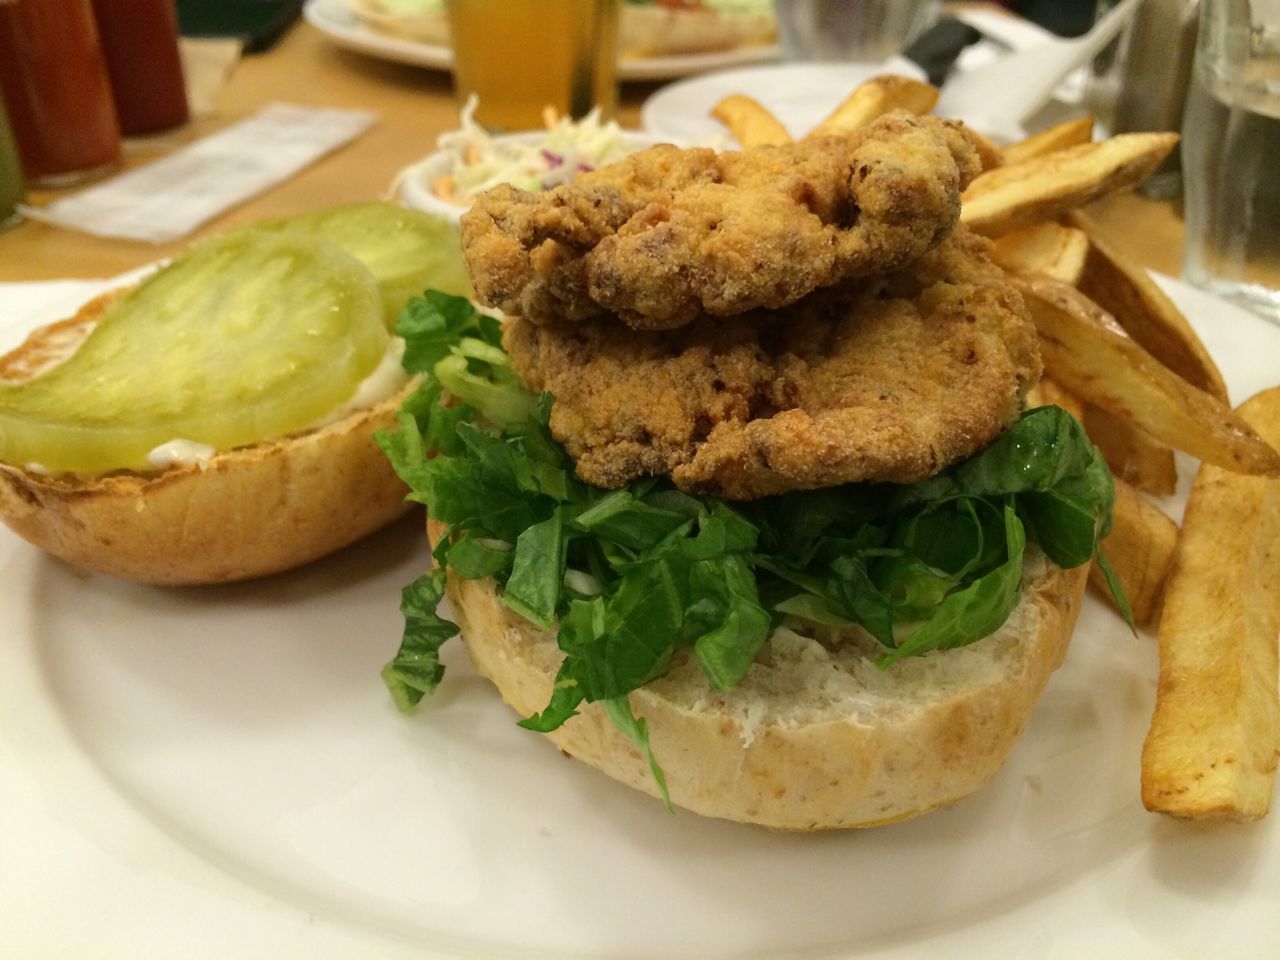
x=54, y=81
x=140, y=40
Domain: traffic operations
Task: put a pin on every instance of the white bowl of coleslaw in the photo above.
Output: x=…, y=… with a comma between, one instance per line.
x=470, y=160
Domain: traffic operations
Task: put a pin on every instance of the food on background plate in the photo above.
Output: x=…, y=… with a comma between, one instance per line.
x=425, y=21
x=1215, y=736
x=752, y=125
x=664, y=28
x=647, y=28
x=668, y=233
x=871, y=100
x=763, y=641
x=214, y=422
x=749, y=122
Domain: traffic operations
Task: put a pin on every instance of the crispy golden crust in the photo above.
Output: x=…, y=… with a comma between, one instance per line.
x=251, y=512
x=666, y=234
x=891, y=379
x=816, y=737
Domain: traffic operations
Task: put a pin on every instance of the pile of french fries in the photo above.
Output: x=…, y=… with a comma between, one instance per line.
x=1121, y=357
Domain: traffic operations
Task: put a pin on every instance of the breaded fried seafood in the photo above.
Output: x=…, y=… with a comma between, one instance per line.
x=890, y=378
x=667, y=235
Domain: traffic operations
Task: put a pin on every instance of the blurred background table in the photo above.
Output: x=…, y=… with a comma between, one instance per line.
x=413, y=107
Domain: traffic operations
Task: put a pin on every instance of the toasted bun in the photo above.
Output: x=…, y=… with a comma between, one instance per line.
x=816, y=737
x=249, y=512
x=654, y=30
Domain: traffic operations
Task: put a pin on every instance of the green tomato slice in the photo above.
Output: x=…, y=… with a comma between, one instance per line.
x=251, y=336
x=407, y=251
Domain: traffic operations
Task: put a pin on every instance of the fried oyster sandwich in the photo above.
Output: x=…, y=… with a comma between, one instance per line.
x=742, y=503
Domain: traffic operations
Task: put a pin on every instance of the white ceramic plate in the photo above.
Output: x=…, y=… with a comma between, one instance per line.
x=798, y=94
x=219, y=773
x=335, y=19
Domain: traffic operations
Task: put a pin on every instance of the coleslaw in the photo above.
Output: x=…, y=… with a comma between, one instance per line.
x=533, y=163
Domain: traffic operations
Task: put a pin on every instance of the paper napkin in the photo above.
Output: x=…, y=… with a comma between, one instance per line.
x=167, y=199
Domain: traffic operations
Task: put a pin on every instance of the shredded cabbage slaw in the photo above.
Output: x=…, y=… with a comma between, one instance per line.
x=484, y=161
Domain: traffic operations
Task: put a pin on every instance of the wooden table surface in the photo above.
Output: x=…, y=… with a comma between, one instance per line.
x=413, y=107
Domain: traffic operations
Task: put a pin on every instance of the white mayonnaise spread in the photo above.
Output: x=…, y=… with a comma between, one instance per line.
x=386, y=379
x=181, y=452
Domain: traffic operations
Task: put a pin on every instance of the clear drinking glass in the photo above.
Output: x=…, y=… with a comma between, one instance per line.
x=521, y=57
x=865, y=30
x=1231, y=155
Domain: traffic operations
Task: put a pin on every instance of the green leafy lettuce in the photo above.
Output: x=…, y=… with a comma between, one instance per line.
x=630, y=577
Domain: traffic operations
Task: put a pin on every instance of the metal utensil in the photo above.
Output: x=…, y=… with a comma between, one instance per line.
x=1011, y=89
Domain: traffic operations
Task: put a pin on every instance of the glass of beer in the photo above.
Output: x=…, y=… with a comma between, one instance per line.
x=520, y=57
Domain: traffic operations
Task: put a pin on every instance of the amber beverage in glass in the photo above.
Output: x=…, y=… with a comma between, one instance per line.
x=54, y=80
x=521, y=56
x=12, y=189
x=140, y=41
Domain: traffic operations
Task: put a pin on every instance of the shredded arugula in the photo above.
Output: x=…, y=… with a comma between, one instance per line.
x=632, y=576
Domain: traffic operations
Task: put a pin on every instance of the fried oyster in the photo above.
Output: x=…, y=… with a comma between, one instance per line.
x=890, y=378
x=666, y=235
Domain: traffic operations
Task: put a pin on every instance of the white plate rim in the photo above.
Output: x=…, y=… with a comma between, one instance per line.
x=146, y=891
x=683, y=109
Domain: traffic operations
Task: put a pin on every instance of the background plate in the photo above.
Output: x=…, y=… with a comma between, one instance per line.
x=219, y=772
x=335, y=19
x=798, y=94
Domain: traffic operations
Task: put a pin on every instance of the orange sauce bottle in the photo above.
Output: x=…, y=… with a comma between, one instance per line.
x=54, y=81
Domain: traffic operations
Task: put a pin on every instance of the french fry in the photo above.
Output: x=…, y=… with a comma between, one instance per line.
x=989, y=155
x=1141, y=542
x=1085, y=350
x=1048, y=392
x=875, y=98
x=1059, y=137
x=751, y=124
x=1215, y=735
x=1128, y=293
x=1043, y=187
x=1048, y=248
x=1140, y=550
x=1132, y=454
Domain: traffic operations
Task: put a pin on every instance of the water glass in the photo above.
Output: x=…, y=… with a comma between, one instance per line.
x=1231, y=155
x=521, y=58
x=861, y=30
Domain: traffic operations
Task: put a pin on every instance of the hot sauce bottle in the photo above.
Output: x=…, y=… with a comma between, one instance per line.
x=140, y=41
x=54, y=80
